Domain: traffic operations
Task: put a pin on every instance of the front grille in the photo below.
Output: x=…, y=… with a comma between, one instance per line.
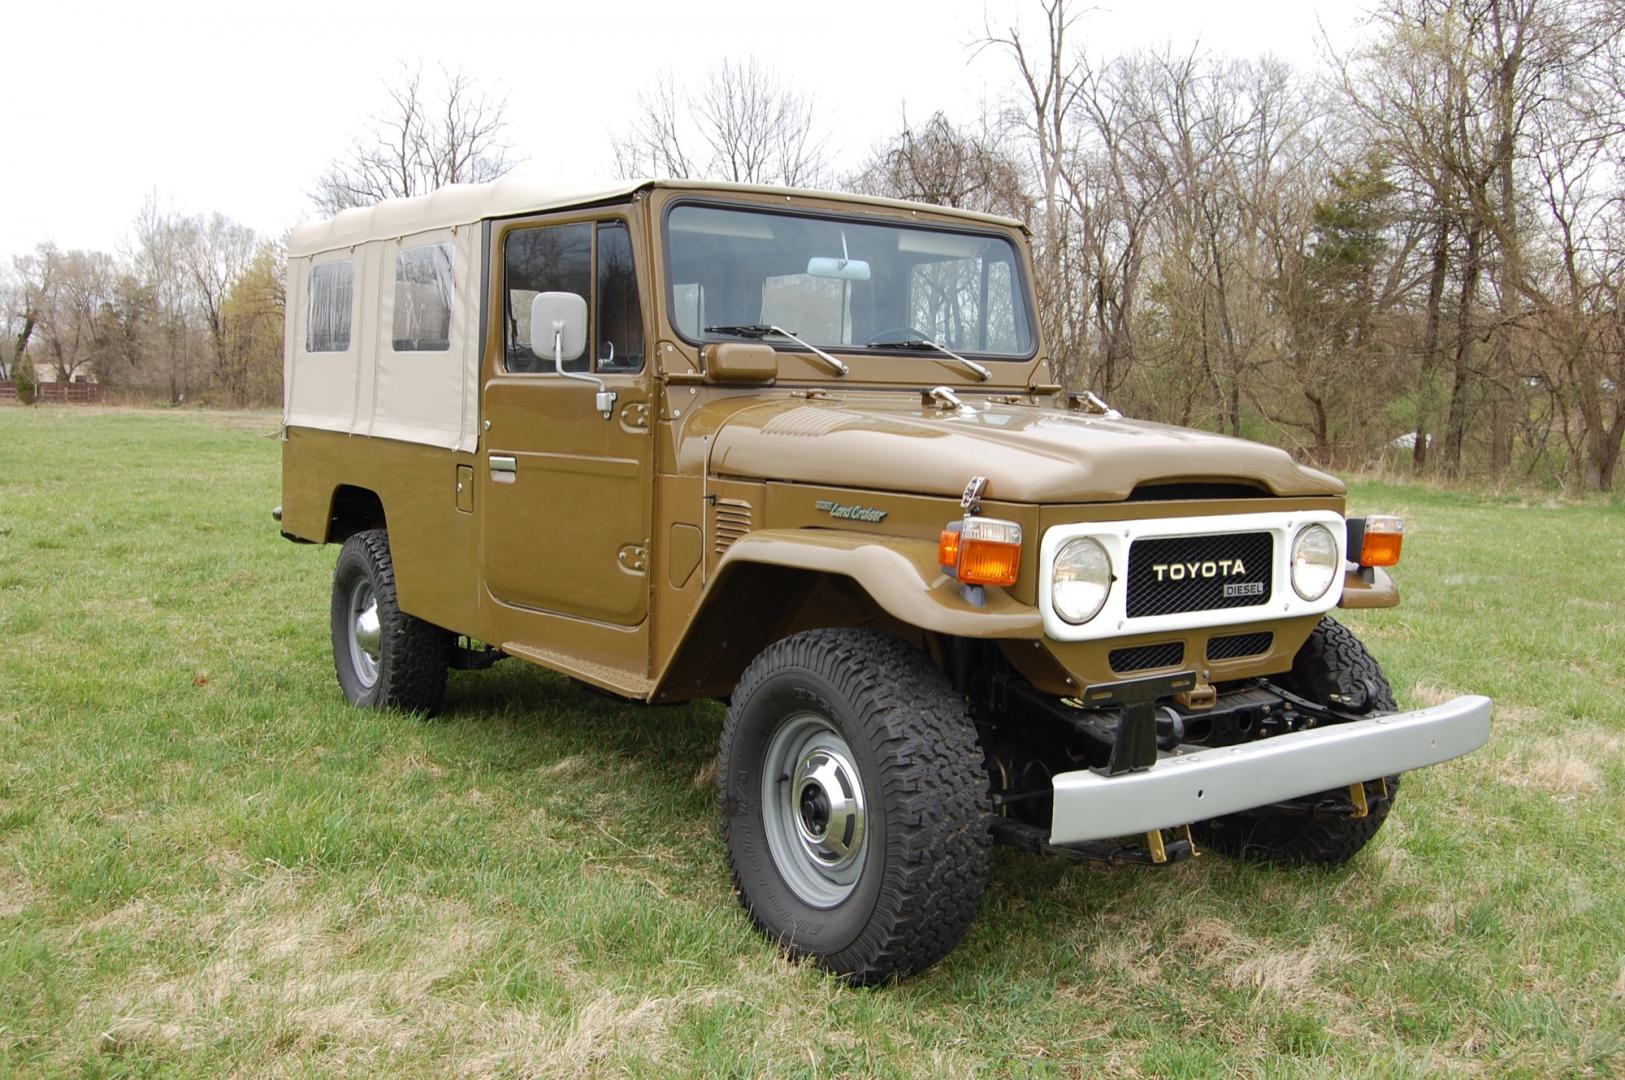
x=1231, y=646
x=1146, y=657
x=1199, y=573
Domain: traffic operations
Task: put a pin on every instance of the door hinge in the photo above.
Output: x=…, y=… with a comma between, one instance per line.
x=634, y=558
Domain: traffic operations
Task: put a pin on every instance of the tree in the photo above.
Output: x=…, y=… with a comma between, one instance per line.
x=215, y=253
x=741, y=123
x=252, y=316
x=32, y=289
x=944, y=164
x=425, y=138
x=72, y=316
x=1051, y=82
x=170, y=357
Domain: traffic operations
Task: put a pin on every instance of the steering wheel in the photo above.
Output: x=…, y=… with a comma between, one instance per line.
x=892, y=332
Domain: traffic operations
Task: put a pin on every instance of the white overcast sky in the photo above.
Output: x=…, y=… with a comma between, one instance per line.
x=237, y=107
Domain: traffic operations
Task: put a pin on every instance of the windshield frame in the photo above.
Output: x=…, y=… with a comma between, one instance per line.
x=1020, y=266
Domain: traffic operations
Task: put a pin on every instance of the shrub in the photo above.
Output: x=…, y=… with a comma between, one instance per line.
x=23, y=377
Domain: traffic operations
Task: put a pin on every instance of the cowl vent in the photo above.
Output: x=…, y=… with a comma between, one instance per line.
x=730, y=519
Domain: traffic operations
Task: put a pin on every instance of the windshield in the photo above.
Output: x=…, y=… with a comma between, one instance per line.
x=846, y=284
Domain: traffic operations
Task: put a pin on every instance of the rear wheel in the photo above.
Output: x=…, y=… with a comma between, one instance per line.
x=854, y=803
x=385, y=658
x=1333, y=669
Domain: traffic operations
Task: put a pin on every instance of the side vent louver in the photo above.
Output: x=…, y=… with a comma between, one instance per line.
x=730, y=519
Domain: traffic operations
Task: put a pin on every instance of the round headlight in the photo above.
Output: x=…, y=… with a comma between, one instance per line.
x=1082, y=580
x=1314, y=561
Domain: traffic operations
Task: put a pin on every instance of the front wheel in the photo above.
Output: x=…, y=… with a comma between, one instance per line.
x=1334, y=669
x=385, y=658
x=854, y=804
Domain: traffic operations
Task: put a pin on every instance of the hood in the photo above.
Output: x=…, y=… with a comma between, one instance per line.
x=1035, y=455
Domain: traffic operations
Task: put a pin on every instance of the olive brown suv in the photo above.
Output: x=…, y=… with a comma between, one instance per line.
x=803, y=453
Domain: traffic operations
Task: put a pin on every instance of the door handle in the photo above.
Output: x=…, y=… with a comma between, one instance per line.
x=504, y=463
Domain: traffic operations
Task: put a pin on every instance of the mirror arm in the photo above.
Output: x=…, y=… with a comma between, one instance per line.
x=605, y=397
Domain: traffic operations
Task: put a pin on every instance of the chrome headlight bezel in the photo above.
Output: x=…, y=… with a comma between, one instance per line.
x=1081, y=561
x=1314, y=553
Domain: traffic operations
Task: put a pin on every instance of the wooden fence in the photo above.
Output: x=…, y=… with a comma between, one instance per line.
x=70, y=393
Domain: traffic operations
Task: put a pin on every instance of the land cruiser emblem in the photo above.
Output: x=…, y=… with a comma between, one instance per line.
x=850, y=512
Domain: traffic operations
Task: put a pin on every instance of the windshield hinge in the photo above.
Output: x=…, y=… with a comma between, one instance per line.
x=1090, y=402
x=941, y=397
x=971, y=501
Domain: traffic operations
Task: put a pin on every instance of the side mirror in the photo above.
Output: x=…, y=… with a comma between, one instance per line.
x=741, y=362
x=558, y=326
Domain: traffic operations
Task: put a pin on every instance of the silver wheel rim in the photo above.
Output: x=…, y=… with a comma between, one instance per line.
x=364, y=633
x=814, y=811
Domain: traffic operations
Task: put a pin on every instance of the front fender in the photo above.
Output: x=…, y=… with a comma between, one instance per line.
x=900, y=575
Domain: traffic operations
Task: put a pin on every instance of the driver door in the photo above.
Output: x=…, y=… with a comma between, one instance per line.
x=567, y=492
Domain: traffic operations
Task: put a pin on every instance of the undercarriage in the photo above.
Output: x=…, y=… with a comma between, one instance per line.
x=1121, y=773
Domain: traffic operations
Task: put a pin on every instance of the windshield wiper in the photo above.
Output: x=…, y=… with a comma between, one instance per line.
x=926, y=343
x=751, y=330
x=759, y=330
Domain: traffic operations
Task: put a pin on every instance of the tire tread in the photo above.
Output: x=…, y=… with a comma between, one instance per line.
x=416, y=654
x=939, y=814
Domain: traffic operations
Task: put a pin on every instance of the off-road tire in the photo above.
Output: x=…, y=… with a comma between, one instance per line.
x=929, y=854
x=413, y=655
x=1333, y=668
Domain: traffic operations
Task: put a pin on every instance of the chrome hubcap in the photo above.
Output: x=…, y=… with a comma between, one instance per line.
x=364, y=632
x=813, y=807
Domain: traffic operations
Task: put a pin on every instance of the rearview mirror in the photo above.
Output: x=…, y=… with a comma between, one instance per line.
x=558, y=326
x=840, y=269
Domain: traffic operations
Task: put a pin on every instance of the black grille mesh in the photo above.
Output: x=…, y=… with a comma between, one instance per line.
x=1233, y=645
x=1145, y=657
x=1149, y=596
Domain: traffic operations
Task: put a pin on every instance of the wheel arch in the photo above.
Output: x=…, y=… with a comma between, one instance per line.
x=352, y=509
x=775, y=583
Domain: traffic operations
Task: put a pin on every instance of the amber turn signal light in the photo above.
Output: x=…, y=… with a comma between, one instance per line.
x=948, y=549
x=981, y=551
x=1384, y=536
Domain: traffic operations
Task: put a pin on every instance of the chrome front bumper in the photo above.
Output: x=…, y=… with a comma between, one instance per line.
x=1204, y=784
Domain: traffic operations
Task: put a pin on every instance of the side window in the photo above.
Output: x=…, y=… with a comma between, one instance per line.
x=327, y=323
x=556, y=258
x=559, y=258
x=620, y=319
x=423, y=296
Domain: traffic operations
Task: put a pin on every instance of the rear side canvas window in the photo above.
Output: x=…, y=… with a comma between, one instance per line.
x=327, y=324
x=423, y=296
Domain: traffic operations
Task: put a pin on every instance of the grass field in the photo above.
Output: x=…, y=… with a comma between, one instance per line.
x=209, y=863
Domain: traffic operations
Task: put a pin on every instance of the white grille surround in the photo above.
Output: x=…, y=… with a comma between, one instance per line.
x=1118, y=536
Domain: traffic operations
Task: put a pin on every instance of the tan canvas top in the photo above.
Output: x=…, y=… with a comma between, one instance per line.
x=464, y=204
